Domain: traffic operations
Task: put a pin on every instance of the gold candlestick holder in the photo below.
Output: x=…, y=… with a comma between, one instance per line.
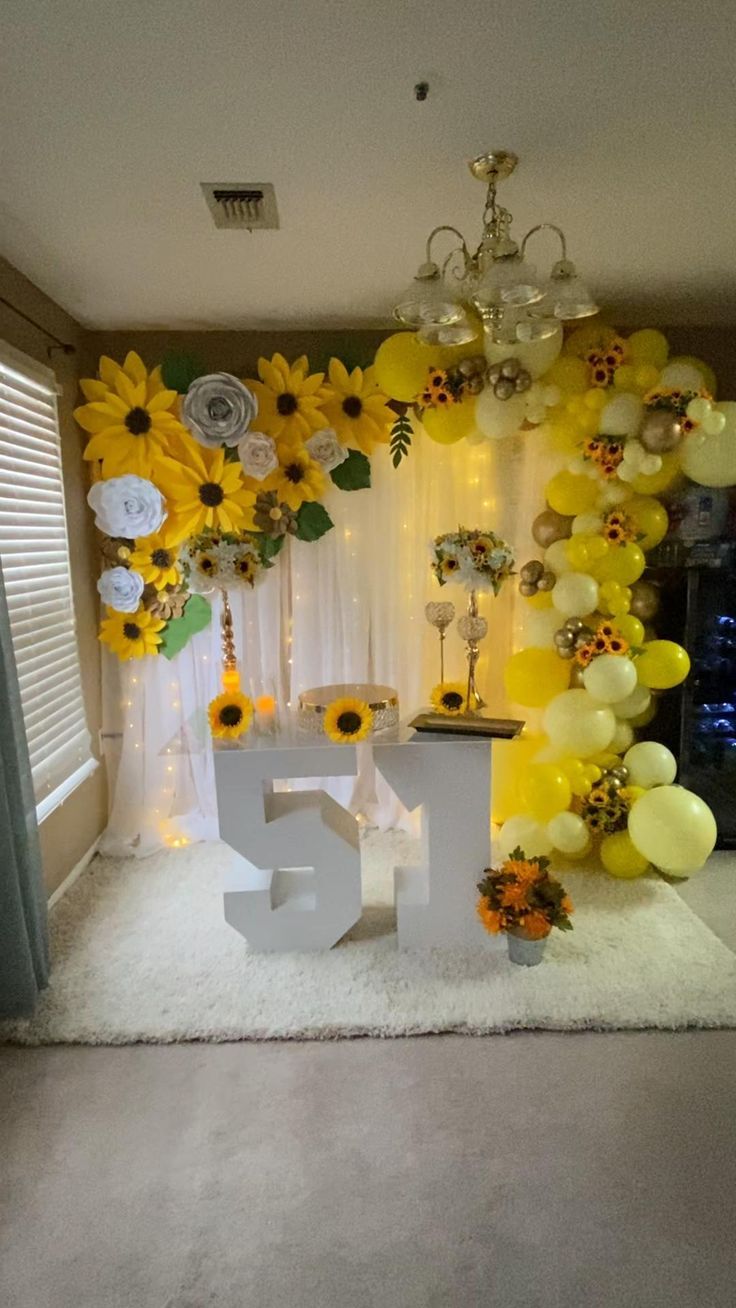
x=473, y=628
x=440, y=613
x=230, y=672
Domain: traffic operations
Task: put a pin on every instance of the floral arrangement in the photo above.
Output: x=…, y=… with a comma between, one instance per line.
x=478, y=560
x=347, y=721
x=521, y=896
x=200, y=489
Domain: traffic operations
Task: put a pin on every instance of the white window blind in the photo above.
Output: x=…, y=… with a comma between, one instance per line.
x=34, y=552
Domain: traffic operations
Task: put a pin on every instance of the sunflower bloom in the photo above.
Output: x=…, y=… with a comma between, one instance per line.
x=289, y=399
x=347, y=721
x=154, y=557
x=491, y=918
x=297, y=478
x=131, y=635
x=203, y=491
x=130, y=416
x=450, y=698
x=230, y=714
x=357, y=409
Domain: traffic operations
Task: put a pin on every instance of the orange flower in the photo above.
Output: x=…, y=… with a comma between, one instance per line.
x=490, y=917
x=535, y=924
x=514, y=895
x=524, y=870
x=584, y=654
x=567, y=905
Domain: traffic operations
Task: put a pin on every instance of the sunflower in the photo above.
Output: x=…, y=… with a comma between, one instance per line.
x=245, y=568
x=130, y=416
x=155, y=559
x=356, y=408
x=230, y=714
x=492, y=919
x=450, y=698
x=289, y=400
x=203, y=491
x=297, y=479
x=449, y=566
x=131, y=635
x=347, y=721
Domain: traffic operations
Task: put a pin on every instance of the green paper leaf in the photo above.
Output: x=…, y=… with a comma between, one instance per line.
x=269, y=547
x=178, y=371
x=179, y=631
x=354, y=473
x=313, y=521
x=400, y=438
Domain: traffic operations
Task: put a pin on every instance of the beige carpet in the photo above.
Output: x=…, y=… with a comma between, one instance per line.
x=142, y=953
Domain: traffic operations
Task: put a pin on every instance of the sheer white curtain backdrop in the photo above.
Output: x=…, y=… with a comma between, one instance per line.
x=349, y=607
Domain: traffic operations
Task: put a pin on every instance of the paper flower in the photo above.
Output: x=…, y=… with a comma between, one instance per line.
x=130, y=416
x=356, y=409
x=218, y=409
x=131, y=637
x=325, y=448
x=127, y=506
x=297, y=479
x=257, y=454
x=121, y=589
x=289, y=399
x=204, y=491
x=155, y=558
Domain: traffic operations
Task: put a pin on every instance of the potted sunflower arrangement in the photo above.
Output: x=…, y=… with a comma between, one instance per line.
x=521, y=899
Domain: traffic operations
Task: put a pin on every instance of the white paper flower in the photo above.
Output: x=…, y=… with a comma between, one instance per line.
x=121, y=589
x=257, y=454
x=127, y=506
x=326, y=450
x=218, y=409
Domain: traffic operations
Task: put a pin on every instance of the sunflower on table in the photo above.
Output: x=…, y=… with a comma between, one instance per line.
x=346, y=721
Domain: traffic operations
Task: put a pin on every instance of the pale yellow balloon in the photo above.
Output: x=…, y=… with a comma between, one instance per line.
x=705, y=370
x=610, y=678
x=652, y=483
x=525, y=832
x=711, y=460
x=568, y=833
x=577, y=724
x=673, y=828
x=498, y=419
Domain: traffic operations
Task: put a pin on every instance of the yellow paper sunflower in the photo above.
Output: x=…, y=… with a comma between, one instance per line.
x=450, y=698
x=289, y=398
x=297, y=478
x=357, y=410
x=130, y=416
x=154, y=557
x=203, y=490
x=131, y=635
x=347, y=721
x=230, y=714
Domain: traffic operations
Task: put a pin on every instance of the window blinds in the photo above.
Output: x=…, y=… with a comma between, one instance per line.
x=34, y=554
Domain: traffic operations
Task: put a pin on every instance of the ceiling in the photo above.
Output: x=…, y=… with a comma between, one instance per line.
x=112, y=114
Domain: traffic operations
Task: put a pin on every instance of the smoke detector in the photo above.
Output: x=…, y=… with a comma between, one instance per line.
x=242, y=206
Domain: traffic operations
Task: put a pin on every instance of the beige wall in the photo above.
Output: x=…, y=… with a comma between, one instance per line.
x=71, y=829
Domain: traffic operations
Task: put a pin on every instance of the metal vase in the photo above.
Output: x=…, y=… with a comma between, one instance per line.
x=525, y=952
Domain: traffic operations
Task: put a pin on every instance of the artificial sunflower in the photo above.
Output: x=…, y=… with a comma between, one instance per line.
x=449, y=566
x=492, y=919
x=130, y=415
x=297, y=479
x=246, y=569
x=204, y=491
x=356, y=409
x=155, y=559
x=230, y=714
x=450, y=698
x=347, y=721
x=289, y=398
x=131, y=635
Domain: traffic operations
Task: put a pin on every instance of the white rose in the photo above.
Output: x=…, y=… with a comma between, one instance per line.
x=257, y=454
x=127, y=506
x=218, y=409
x=326, y=450
x=121, y=589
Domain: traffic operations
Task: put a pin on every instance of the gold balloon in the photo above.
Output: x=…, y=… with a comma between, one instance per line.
x=550, y=526
x=644, y=600
x=661, y=431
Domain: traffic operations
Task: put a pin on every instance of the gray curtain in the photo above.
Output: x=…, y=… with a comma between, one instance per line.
x=24, y=959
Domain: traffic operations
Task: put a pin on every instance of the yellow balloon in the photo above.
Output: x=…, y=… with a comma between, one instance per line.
x=624, y=564
x=653, y=482
x=650, y=519
x=534, y=676
x=621, y=858
x=591, y=336
x=447, y=426
x=578, y=554
x=631, y=628
x=542, y=600
x=649, y=346
x=402, y=363
x=571, y=375
x=511, y=759
x=570, y=494
x=545, y=791
x=709, y=377
x=662, y=664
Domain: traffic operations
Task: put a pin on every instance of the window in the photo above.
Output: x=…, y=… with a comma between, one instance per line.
x=34, y=553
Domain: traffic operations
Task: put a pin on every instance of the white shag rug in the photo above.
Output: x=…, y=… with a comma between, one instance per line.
x=142, y=953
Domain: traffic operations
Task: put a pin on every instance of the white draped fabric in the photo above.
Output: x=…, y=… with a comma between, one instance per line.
x=348, y=608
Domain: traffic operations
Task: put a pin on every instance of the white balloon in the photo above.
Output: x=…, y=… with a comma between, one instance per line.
x=496, y=418
x=673, y=828
x=714, y=422
x=622, y=737
x=525, y=832
x=536, y=356
x=539, y=627
x=622, y=415
x=575, y=594
x=577, y=724
x=610, y=678
x=555, y=558
x=568, y=833
x=712, y=460
x=682, y=375
x=635, y=703
x=587, y=524
x=650, y=764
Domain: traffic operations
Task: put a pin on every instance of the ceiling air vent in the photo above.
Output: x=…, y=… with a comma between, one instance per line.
x=242, y=205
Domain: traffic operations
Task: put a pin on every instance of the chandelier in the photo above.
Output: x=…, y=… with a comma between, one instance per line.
x=515, y=302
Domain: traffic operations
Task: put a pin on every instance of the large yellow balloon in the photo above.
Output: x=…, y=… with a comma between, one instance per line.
x=650, y=519
x=711, y=460
x=662, y=664
x=511, y=760
x=673, y=828
x=545, y=791
x=631, y=628
x=569, y=493
x=402, y=363
x=621, y=858
x=648, y=346
x=446, y=426
x=534, y=676
x=624, y=564
x=652, y=483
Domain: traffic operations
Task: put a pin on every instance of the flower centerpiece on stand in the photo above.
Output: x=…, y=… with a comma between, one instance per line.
x=523, y=900
x=479, y=561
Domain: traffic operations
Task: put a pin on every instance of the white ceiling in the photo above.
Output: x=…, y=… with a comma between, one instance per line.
x=113, y=112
